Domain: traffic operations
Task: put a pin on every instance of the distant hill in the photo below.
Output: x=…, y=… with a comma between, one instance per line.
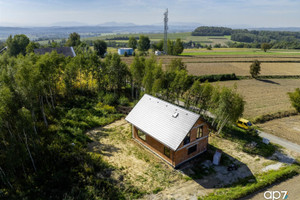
x=68, y=24
x=117, y=24
x=56, y=32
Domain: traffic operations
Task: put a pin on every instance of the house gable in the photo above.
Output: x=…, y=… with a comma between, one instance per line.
x=167, y=123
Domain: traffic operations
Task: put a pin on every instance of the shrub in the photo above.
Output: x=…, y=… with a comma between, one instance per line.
x=295, y=99
x=278, y=115
x=124, y=101
x=110, y=99
x=215, y=78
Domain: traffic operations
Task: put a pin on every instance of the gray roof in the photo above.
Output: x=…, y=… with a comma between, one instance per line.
x=158, y=119
x=5, y=48
x=66, y=51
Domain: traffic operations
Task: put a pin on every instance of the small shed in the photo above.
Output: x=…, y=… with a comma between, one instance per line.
x=173, y=133
x=122, y=51
x=66, y=51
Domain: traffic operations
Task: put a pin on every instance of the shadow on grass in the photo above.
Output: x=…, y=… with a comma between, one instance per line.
x=96, y=146
x=268, y=81
x=202, y=171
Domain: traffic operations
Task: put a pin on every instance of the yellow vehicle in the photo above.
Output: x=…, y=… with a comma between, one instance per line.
x=244, y=124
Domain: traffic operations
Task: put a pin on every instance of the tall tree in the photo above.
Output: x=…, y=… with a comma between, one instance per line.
x=73, y=40
x=137, y=69
x=265, y=46
x=178, y=47
x=255, y=69
x=144, y=43
x=31, y=46
x=100, y=47
x=227, y=106
x=295, y=99
x=17, y=44
x=117, y=72
x=170, y=45
x=132, y=43
x=149, y=74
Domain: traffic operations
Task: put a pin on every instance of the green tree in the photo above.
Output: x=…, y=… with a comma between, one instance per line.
x=158, y=46
x=176, y=65
x=137, y=69
x=73, y=40
x=144, y=43
x=179, y=84
x=117, y=72
x=149, y=78
x=170, y=45
x=295, y=99
x=178, y=47
x=17, y=44
x=31, y=46
x=100, y=47
x=227, y=106
x=132, y=43
x=255, y=69
x=265, y=46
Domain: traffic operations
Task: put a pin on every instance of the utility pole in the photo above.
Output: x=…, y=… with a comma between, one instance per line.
x=166, y=32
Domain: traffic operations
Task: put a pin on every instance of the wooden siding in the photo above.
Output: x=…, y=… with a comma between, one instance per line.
x=181, y=155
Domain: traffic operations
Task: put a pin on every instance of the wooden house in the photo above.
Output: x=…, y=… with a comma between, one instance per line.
x=173, y=133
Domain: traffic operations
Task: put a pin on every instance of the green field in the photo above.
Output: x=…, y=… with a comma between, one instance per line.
x=238, y=51
x=185, y=36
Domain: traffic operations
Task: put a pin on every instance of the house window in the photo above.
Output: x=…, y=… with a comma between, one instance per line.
x=167, y=152
x=192, y=149
x=199, y=132
x=142, y=135
x=187, y=139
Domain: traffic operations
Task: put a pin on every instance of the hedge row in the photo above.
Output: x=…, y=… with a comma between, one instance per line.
x=215, y=78
x=268, y=117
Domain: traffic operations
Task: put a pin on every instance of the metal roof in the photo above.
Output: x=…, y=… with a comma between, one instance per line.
x=167, y=123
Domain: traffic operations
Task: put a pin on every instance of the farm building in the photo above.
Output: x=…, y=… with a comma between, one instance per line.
x=122, y=51
x=66, y=51
x=174, y=134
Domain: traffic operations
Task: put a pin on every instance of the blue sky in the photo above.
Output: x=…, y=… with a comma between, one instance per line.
x=252, y=13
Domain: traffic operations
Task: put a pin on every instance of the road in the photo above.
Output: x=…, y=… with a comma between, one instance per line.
x=277, y=140
x=292, y=187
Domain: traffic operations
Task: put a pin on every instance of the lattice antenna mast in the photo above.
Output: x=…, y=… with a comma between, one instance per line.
x=166, y=32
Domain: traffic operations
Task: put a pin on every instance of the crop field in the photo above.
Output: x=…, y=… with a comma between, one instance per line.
x=264, y=96
x=155, y=37
x=238, y=51
x=242, y=69
x=291, y=126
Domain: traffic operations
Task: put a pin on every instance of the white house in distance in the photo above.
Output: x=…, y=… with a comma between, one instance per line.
x=129, y=51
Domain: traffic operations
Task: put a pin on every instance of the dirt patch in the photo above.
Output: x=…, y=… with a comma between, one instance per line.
x=139, y=167
x=264, y=96
x=287, y=128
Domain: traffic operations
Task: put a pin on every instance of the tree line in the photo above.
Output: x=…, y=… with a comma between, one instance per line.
x=253, y=38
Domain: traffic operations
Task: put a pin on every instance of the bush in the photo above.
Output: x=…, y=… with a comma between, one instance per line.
x=295, y=99
x=278, y=115
x=124, y=101
x=110, y=99
x=215, y=78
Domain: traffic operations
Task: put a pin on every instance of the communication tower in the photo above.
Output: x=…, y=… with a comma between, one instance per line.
x=166, y=31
